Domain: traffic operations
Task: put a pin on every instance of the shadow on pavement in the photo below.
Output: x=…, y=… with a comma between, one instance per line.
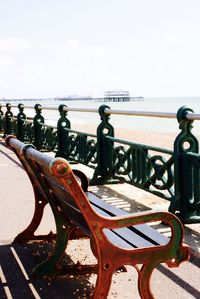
x=16, y=264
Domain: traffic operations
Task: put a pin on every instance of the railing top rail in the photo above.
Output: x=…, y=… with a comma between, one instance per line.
x=139, y=145
x=31, y=107
x=158, y=114
x=141, y=113
x=193, y=116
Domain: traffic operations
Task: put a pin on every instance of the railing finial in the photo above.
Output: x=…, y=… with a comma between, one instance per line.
x=182, y=114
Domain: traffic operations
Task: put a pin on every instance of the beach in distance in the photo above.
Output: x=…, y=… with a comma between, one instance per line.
x=152, y=130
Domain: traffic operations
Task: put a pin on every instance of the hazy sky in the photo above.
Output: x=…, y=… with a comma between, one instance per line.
x=52, y=48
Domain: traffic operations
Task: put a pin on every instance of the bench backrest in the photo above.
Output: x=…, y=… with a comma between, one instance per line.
x=54, y=180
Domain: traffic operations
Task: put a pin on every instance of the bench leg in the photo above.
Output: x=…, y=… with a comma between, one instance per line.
x=49, y=266
x=144, y=281
x=28, y=233
x=102, y=287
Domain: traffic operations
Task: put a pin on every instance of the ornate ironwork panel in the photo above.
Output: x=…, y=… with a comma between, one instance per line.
x=49, y=138
x=145, y=168
x=28, y=131
x=82, y=148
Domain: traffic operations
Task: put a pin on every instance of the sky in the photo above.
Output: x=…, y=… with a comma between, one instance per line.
x=58, y=48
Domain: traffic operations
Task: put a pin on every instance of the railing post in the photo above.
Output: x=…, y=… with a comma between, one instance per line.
x=104, y=149
x=38, y=120
x=8, y=121
x=62, y=124
x=1, y=118
x=20, y=122
x=186, y=174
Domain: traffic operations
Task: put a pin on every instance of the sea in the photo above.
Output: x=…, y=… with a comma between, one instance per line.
x=139, y=123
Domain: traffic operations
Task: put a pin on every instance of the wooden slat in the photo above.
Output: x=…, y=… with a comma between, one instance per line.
x=130, y=237
x=145, y=230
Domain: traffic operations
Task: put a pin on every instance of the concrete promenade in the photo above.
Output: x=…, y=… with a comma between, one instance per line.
x=17, y=261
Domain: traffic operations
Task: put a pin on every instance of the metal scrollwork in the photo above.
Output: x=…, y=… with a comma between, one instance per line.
x=82, y=149
x=49, y=138
x=91, y=152
x=28, y=132
x=161, y=177
x=122, y=160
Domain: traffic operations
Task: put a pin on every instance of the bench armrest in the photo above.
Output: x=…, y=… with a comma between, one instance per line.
x=174, y=223
x=141, y=218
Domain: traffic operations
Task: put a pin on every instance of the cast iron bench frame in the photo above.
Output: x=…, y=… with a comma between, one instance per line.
x=117, y=238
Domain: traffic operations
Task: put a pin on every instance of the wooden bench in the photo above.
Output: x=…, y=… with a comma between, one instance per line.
x=117, y=238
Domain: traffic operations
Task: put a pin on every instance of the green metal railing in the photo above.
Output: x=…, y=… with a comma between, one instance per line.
x=170, y=174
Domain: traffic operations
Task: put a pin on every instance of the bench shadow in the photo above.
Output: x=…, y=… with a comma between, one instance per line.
x=185, y=285
x=16, y=264
x=117, y=199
